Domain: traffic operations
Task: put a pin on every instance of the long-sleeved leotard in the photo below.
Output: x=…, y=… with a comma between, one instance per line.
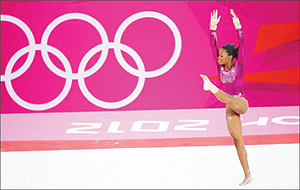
x=232, y=79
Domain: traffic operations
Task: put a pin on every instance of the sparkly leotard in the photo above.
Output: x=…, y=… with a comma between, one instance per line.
x=232, y=79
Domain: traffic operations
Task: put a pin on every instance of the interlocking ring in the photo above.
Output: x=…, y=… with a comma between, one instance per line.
x=140, y=72
x=164, y=19
x=44, y=106
x=31, y=42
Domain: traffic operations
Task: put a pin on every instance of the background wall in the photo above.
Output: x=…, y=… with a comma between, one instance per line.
x=271, y=30
x=101, y=74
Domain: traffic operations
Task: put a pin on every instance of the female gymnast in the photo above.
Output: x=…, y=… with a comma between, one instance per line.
x=230, y=65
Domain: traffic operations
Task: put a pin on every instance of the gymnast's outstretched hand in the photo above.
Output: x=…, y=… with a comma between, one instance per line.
x=235, y=20
x=214, y=20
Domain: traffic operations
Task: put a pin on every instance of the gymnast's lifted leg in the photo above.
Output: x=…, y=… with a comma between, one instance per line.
x=230, y=66
x=235, y=105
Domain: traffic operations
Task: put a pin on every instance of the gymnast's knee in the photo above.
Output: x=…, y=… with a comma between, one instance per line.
x=237, y=106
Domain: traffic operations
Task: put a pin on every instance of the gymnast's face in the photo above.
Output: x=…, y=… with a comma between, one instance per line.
x=223, y=57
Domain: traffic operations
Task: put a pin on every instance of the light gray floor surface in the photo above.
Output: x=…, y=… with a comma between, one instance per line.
x=209, y=167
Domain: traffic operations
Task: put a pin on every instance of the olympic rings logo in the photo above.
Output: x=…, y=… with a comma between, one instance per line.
x=116, y=45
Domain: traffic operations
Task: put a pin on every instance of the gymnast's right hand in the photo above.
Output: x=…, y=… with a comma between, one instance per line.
x=214, y=20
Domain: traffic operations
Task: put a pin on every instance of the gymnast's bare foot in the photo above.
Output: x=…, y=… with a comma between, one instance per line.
x=246, y=181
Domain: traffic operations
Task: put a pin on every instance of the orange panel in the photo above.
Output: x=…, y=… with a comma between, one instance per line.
x=284, y=76
x=274, y=35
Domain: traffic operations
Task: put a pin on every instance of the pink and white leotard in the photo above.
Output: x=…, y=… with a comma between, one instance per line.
x=232, y=79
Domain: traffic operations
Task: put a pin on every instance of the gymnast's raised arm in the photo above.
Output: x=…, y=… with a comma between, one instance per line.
x=240, y=36
x=214, y=20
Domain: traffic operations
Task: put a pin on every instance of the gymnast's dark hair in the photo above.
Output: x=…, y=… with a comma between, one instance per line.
x=231, y=50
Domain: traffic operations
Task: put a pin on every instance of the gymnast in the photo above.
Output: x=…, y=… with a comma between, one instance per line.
x=230, y=66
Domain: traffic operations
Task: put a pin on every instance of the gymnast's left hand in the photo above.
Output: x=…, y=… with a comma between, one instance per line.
x=235, y=20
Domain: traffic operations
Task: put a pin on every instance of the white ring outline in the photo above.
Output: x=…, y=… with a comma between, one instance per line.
x=69, y=75
x=71, y=16
x=128, y=99
x=31, y=42
x=171, y=25
x=55, y=101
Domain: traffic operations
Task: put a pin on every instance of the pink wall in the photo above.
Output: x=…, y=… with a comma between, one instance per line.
x=148, y=43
